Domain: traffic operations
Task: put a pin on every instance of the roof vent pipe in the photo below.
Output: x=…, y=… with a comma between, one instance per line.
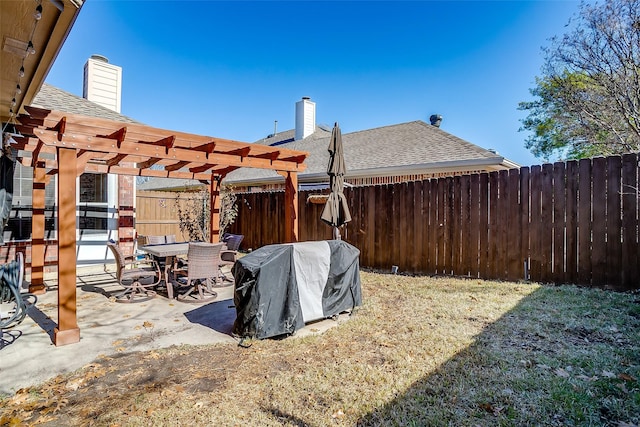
x=435, y=120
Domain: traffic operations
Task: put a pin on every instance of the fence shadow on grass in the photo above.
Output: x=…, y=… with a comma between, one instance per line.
x=541, y=363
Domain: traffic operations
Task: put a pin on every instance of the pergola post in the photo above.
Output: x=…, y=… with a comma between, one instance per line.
x=214, y=203
x=290, y=206
x=67, y=331
x=36, y=286
x=126, y=221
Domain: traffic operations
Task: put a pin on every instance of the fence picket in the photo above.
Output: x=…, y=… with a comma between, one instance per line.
x=599, y=221
x=571, y=203
x=465, y=230
x=584, y=221
x=484, y=225
x=558, y=211
x=405, y=217
x=433, y=226
x=631, y=248
x=513, y=233
x=418, y=228
x=474, y=227
x=525, y=217
x=546, y=235
x=614, y=222
x=456, y=228
x=535, y=226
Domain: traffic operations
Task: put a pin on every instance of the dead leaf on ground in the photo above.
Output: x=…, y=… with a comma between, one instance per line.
x=75, y=384
x=20, y=397
x=338, y=414
x=494, y=410
x=51, y=407
x=626, y=377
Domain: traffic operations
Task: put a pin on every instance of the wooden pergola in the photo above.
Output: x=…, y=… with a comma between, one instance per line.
x=69, y=145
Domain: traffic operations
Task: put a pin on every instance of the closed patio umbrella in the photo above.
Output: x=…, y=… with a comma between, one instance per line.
x=336, y=212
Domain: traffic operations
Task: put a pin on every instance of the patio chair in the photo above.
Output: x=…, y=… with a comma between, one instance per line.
x=201, y=272
x=159, y=240
x=156, y=240
x=232, y=243
x=133, y=274
x=137, y=253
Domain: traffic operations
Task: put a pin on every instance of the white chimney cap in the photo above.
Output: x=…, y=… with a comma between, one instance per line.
x=100, y=58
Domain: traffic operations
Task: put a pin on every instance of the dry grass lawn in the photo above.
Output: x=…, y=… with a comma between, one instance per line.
x=420, y=351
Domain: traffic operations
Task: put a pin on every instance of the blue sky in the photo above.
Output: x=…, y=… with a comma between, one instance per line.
x=230, y=69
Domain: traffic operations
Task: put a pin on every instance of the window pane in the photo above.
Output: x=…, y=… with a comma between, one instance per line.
x=96, y=219
x=93, y=188
x=19, y=223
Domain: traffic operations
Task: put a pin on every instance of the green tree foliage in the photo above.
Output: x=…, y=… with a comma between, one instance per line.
x=587, y=101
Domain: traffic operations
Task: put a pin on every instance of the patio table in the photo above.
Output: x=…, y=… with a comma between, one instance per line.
x=168, y=251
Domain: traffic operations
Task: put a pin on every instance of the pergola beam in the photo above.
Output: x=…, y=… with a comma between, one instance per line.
x=104, y=145
x=138, y=132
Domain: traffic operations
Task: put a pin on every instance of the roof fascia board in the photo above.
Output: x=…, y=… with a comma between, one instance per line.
x=434, y=167
x=492, y=163
x=61, y=30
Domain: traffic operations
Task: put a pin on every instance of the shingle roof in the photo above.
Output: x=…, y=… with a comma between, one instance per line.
x=53, y=98
x=407, y=145
x=279, y=138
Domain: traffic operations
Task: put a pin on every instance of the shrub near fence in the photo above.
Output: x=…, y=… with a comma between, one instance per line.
x=567, y=222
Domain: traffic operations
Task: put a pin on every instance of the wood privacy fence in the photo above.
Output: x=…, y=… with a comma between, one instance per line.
x=157, y=214
x=567, y=222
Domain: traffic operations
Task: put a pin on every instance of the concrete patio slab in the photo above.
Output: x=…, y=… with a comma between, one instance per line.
x=28, y=357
